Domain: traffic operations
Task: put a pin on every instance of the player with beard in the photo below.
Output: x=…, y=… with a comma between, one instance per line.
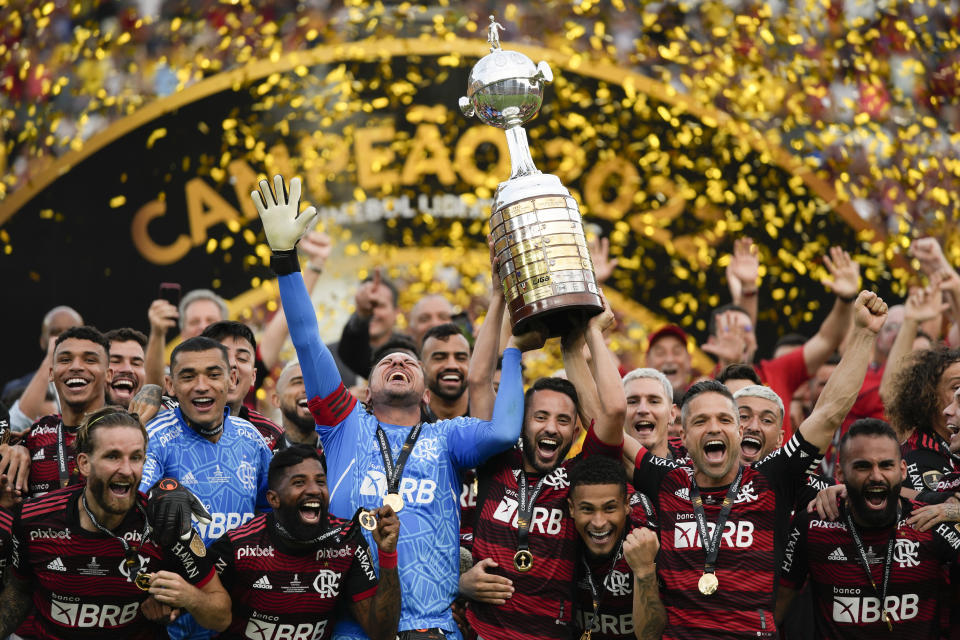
x=650, y=410
x=522, y=538
x=126, y=365
x=616, y=579
x=289, y=571
x=242, y=349
x=80, y=374
x=86, y=561
x=221, y=459
x=445, y=355
x=872, y=573
x=386, y=454
x=290, y=396
x=724, y=524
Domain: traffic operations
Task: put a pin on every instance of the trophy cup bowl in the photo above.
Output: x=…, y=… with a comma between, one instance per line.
x=545, y=267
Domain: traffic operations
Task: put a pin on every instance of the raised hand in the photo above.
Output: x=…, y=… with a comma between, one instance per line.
x=744, y=268
x=371, y=295
x=928, y=252
x=603, y=320
x=640, y=549
x=925, y=303
x=283, y=223
x=869, y=311
x=316, y=246
x=603, y=266
x=495, y=268
x=388, y=529
x=844, y=278
x=729, y=344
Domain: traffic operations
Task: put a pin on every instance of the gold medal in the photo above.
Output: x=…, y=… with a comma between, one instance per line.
x=394, y=501
x=586, y=635
x=368, y=520
x=196, y=545
x=522, y=560
x=142, y=581
x=886, y=618
x=708, y=584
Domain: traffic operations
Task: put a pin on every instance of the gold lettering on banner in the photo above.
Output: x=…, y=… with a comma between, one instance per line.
x=155, y=253
x=427, y=155
x=465, y=157
x=373, y=160
x=244, y=182
x=206, y=208
x=596, y=180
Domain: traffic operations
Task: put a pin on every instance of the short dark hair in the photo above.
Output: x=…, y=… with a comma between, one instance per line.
x=739, y=371
x=84, y=333
x=109, y=416
x=397, y=342
x=560, y=385
x=126, y=334
x=394, y=292
x=224, y=329
x=195, y=345
x=598, y=470
x=790, y=340
x=712, y=324
x=867, y=427
x=704, y=386
x=442, y=332
x=290, y=457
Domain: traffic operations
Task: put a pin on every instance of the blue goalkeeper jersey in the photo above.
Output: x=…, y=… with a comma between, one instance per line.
x=429, y=546
x=229, y=477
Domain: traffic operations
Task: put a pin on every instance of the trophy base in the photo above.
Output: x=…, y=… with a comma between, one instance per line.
x=558, y=315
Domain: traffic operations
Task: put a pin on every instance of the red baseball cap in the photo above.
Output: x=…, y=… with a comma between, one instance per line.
x=665, y=331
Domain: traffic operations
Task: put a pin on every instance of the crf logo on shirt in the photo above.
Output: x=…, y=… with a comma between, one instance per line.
x=735, y=534
x=412, y=491
x=262, y=630
x=618, y=583
x=746, y=493
x=327, y=583
x=544, y=520
x=557, y=479
x=86, y=615
x=906, y=553
x=855, y=610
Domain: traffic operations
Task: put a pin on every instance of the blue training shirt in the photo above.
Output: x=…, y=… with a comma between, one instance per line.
x=429, y=545
x=229, y=477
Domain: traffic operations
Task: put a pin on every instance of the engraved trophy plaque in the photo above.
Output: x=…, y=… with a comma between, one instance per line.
x=545, y=267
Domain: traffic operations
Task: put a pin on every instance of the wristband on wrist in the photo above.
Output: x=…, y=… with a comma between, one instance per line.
x=388, y=559
x=284, y=262
x=748, y=294
x=847, y=299
x=314, y=268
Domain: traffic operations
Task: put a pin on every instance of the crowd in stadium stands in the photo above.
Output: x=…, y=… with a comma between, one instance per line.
x=810, y=72
x=413, y=484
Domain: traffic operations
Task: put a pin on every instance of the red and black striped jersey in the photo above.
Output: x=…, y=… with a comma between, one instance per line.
x=271, y=431
x=41, y=442
x=928, y=459
x=82, y=587
x=541, y=604
x=468, y=506
x=614, y=584
x=750, y=546
x=282, y=592
x=846, y=606
x=6, y=537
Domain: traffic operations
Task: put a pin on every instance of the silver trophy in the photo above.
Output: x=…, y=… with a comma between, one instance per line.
x=545, y=266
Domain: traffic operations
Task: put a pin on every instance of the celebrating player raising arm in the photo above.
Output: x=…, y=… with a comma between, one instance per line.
x=387, y=455
x=724, y=525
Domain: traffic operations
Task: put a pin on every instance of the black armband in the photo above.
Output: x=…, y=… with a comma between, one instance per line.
x=285, y=262
x=848, y=299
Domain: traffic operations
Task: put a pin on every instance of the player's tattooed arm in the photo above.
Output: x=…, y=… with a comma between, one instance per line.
x=649, y=615
x=380, y=615
x=15, y=604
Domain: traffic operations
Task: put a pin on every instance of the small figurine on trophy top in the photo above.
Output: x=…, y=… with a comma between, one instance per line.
x=545, y=266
